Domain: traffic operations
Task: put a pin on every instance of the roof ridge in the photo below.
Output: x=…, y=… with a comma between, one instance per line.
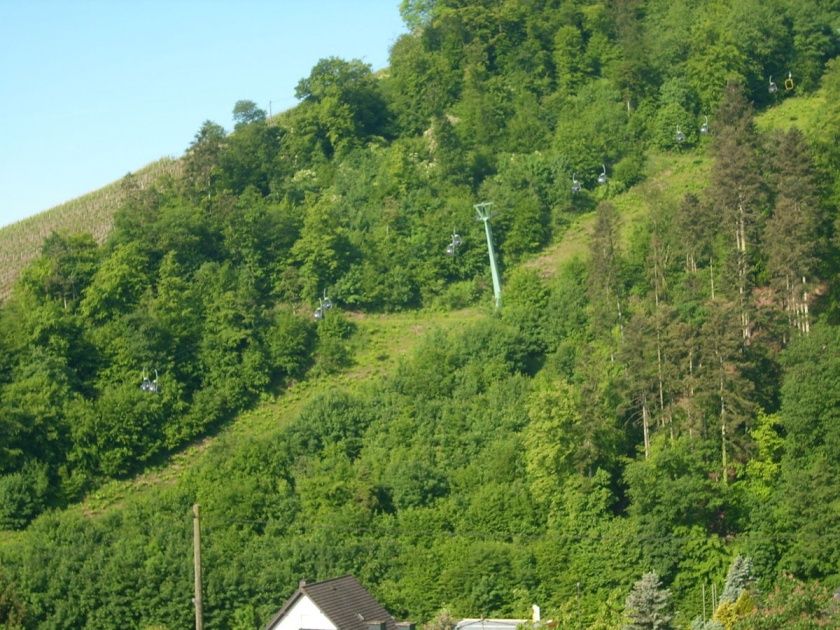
x=340, y=577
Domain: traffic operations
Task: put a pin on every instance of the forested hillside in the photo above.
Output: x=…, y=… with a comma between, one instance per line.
x=649, y=425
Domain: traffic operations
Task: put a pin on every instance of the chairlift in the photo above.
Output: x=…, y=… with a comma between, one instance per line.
x=326, y=303
x=149, y=385
x=319, y=313
x=575, y=184
x=772, y=88
x=452, y=248
x=704, y=128
x=789, y=82
x=679, y=136
x=602, y=177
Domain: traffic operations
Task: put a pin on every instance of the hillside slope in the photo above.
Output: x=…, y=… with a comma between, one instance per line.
x=20, y=243
x=298, y=336
x=254, y=552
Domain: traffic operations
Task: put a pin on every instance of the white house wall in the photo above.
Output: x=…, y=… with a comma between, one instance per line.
x=304, y=614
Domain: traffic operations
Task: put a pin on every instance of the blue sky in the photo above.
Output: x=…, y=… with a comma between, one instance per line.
x=93, y=89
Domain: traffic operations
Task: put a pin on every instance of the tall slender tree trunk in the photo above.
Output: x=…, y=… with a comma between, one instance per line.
x=790, y=304
x=741, y=246
x=620, y=322
x=690, y=404
x=806, y=323
x=712, y=278
x=723, y=425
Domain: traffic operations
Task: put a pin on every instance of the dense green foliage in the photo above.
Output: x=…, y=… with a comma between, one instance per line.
x=657, y=409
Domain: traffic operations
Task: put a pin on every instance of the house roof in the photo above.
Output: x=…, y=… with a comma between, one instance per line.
x=490, y=624
x=344, y=601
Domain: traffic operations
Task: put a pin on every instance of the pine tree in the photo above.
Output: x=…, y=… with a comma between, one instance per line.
x=737, y=579
x=723, y=386
x=737, y=194
x=604, y=276
x=695, y=227
x=791, y=234
x=648, y=605
x=638, y=352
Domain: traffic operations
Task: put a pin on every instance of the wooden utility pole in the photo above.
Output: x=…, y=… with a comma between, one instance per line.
x=199, y=621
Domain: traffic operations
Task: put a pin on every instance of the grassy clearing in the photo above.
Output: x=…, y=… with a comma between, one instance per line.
x=379, y=344
x=668, y=177
x=796, y=111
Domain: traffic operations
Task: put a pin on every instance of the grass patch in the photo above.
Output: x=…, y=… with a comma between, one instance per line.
x=796, y=111
x=668, y=177
x=378, y=345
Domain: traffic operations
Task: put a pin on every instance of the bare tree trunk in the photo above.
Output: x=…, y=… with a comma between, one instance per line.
x=712, y=277
x=618, y=309
x=789, y=304
x=659, y=372
x=690, y=392
x=806, y=322
x=723, y=448
x=741, y=246
x=645, y=430
x=723, y=426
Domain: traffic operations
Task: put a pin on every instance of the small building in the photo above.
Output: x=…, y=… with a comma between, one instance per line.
x=500, y=624
x=490, y=624
x=338, y=604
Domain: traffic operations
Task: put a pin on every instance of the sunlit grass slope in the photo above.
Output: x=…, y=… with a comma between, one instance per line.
x=377, y=346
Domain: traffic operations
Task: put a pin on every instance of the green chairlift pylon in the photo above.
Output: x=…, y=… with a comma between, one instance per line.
x=483, y=214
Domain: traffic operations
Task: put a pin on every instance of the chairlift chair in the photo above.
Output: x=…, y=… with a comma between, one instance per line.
x=704, y=128
x=148, y=385
x=602, y=177
x=319, y=314
x=772, y=88
x=679, y=136
x=789, y=82
x=454, y=244
x=575, y=184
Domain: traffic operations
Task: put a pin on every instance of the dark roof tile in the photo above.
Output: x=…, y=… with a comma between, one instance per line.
x=344, y=601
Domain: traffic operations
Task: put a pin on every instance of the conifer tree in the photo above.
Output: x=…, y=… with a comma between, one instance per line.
x=724, y=387
x=604, y=277
x=694, y=225
x=658, y=263
x=638, y=352
x=791, y=235
x=648, y=605
x=737, y=194
x=737, y=579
